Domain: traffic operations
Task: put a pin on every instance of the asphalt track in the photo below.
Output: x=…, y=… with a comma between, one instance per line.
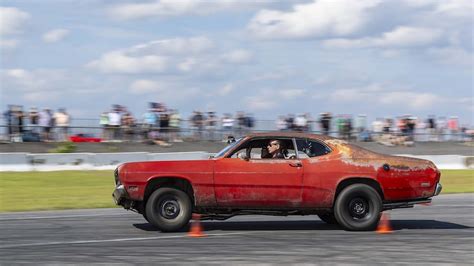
x=440, y=233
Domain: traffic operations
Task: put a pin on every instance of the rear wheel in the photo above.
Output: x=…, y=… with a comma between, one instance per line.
x=169, y=209
x=358, y=207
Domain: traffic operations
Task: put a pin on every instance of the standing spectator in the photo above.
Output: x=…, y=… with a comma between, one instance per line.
x=115, y=123
x=197, y=121
x=61, y=119
x=378, y=127
x=164, y=124
x=175, y=120
x=46, y=122
x=431, y=128
x=240, y=123
x=300, y=123
x=104, y=123
x=453, y=127
x=33, y=116
x=211, y=124
x=8, y=115
x=361, y=123
x=290, y=122
x=325, y=122
x=421, y=130
x=18, y=122
x=441, y=124
x=149, y=122
x=227, y=125
x=411, y=125
x=128, y=126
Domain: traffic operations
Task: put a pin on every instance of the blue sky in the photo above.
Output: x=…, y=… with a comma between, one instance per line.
x=269, y=58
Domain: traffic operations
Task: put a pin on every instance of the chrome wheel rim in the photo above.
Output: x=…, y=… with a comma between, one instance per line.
x=169, y=208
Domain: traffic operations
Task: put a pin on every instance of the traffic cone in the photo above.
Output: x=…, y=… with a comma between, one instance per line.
x=384, y=225
x=196, y=228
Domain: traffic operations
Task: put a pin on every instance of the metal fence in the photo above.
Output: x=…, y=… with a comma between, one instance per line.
x=140, y=133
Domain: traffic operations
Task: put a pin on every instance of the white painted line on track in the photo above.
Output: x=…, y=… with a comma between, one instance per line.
x=112, y=240
x=57, y=216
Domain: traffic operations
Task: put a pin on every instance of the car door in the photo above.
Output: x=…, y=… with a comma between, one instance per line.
x=256, y=182
x=320, y=172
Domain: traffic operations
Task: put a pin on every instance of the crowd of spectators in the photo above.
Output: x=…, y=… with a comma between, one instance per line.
x=162, y=125
x=36, y=125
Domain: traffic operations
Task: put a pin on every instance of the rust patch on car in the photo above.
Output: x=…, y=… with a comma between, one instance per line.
x=357, y=156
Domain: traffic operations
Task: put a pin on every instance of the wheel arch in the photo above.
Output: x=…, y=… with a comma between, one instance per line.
x=177, y=182
x=358, y=180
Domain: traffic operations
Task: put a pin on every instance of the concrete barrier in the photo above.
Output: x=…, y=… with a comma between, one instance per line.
x=108, y=161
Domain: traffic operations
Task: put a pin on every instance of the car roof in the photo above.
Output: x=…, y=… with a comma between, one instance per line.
x=290, y=135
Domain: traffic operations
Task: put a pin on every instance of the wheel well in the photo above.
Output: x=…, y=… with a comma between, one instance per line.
x=174, y=182
x=359, y=180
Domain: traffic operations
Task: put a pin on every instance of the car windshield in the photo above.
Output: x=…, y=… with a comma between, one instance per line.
x=228, y=147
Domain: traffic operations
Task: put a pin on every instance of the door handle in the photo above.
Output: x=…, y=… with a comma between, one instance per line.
x=298, y=164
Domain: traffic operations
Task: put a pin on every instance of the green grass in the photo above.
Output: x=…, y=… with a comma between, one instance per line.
x=23, y=191
x=457, y=181
x=26, y=191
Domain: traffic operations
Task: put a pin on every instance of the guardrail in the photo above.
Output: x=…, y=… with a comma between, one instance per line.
x=21, y=162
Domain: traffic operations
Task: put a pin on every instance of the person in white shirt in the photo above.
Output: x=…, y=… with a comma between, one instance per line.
x=61, y=119
x=115, y=121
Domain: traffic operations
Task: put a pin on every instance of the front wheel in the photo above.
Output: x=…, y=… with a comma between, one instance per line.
x=168, y=209
x=358, y=207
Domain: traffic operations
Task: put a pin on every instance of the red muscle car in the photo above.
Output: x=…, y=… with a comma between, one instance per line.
x=312, y=174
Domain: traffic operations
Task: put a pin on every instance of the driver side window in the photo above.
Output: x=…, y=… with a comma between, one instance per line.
x=262, y=149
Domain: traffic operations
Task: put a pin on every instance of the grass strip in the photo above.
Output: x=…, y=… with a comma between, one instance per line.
x=27, y=191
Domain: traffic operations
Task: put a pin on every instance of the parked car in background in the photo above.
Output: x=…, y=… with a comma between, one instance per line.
x=314, y=175
x=84, y=138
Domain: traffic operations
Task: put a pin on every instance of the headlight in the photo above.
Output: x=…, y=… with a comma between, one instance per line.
x=116, y=176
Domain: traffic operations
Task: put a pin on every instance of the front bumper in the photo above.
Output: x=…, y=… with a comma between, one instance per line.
x=438, y=189
x=120, y=196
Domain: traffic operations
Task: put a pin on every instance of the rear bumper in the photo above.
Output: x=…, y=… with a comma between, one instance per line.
x=438, y=189
x=405, y=204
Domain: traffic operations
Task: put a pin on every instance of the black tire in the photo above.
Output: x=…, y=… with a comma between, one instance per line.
x=328, y=217
x=168, y=209
x=358, y=208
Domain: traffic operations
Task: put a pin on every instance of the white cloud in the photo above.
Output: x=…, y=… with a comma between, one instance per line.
x=8, y=43
x=402, y=36
x=452, y=55
x=144, y=86
x=378, y=95
x=161, y=8
x=228, y=88
x=291, y=93
x=238, y=56
x=167, y=56
x=120, y=62
x=55, y=35
x=320, y=18
x=192, y=45
x=12, y=20
x=156, y=56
